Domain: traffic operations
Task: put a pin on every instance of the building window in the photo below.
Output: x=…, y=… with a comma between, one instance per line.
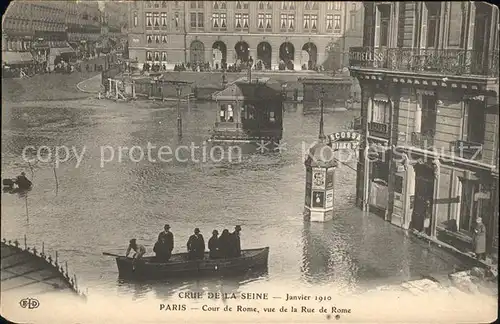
x=164, y=19
x=314, y=22
x=215, y=20
x=237, y=18
x=474, y=121
x=164, y=39
x=149, y=56
x=269, y=5
x=337, y=5
x=164, y=56
x=329, y=22
x=200, y=19
x=164, y=4
x=269, y=18
x=200, y=4
x=337, y=24
x=245, y=21
x=385, y=11
x=354, y=7
x=157, y=39
x=380, y=112
x=353, y=22
x=136, y=19
x=469, y=207
x=157, y=56
x=433, y=18
x=193, y=20
x=283, y=22
x=149, y=39
x=216, y=5
x=429, y=117
x=284, y=5
x=261, y=5
x=192, y=4
x=238, y=5
x=311, y=5
x=291, y=21
x=156, y=4
x=307, y=22
x=223, y=20
x=156, y=19
x=260, y=22
x=176, y=20
x=149, y=19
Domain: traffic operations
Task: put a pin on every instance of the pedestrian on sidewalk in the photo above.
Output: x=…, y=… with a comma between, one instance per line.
x=479, y=239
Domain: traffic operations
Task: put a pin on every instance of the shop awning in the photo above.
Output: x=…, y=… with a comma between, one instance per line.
x=12, y=58
x=61, y=50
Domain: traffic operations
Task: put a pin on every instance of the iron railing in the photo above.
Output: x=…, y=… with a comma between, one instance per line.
x=442, y=61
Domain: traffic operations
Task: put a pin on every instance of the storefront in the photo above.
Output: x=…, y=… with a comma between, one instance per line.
x=17, y=64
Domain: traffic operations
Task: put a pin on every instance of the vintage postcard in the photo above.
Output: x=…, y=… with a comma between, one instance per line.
x=249, y=161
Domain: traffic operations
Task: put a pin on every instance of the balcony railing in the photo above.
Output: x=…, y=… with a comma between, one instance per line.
x=442, y=61
x=423, y=141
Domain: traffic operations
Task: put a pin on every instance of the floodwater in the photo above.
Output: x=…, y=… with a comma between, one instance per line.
x=86, y=210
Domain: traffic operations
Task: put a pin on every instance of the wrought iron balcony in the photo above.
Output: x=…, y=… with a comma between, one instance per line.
x=423, y=141
x=440, y=61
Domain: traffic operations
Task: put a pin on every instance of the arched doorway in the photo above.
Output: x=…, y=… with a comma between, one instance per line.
x=197, y=51
x=242, y=51
x=312, y=55
x=219, y=54
x=287, y=55
x=264, y=51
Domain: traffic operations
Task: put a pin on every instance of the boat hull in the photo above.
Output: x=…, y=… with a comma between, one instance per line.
x=180, y=266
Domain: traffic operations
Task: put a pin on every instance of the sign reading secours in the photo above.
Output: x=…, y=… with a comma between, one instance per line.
x=344, y=140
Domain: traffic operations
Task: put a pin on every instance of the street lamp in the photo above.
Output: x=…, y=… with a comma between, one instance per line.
x=179, y=119
x=322, y=136
x=250, y=64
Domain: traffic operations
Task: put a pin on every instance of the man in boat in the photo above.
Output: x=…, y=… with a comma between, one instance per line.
x=236, y=242
x=224, y=243
x=22, y=181
x=165, y=244
x=196, y=245
x=139, y=249
x=213, y=245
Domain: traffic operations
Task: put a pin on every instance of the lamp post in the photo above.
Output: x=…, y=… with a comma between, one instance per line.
x=283, y=95
x=179, y=118
x=250, y=64
x=322, y=136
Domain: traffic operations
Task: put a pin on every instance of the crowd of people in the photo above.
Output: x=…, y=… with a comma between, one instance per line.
x=227, y=245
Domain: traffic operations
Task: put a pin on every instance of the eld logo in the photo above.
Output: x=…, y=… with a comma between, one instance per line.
x=30, y=303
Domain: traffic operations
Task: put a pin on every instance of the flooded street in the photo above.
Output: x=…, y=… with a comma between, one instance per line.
x=118, y=200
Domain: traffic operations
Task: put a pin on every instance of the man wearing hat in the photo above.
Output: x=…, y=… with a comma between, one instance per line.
x=213, y=245
x=165, y=244
x=196, y=245
x=236, y=242
x=139, y=249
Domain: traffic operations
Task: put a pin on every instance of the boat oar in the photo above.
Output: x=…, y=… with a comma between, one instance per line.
x=111, y=254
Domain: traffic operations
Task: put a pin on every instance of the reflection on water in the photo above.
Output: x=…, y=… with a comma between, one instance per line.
x=169, y=288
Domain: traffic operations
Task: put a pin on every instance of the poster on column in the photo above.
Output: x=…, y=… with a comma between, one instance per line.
x=329, y=198
x=318, y=199
x=330, y=174
x=318, y=178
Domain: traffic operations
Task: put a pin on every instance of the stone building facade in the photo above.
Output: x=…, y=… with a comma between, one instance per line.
x=428, y=73
x=298, y=33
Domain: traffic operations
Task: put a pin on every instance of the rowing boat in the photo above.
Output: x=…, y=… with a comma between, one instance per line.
x=179, y=265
